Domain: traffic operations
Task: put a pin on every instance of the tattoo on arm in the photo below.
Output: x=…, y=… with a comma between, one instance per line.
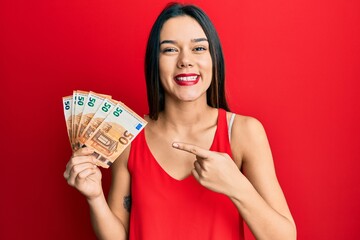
x=127, y=203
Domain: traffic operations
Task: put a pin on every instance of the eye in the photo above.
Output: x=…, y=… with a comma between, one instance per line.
x=199, y=49
x=169, y=50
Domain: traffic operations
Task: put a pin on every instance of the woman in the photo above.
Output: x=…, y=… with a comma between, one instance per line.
x=183, y=171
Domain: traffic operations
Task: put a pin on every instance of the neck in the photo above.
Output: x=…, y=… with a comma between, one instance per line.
x=185, y=115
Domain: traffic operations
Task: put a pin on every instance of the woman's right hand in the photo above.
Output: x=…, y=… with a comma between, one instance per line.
x=83, y=174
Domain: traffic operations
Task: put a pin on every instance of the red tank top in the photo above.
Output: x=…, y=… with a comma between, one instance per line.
x=166, y=208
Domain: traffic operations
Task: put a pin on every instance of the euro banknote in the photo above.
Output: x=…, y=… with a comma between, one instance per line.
x=102, y=123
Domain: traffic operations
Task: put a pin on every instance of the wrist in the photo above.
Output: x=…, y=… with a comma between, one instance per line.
x=95, y=200
x=241, y=189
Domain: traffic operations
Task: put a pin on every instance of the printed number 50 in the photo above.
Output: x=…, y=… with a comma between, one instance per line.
x=125, y=138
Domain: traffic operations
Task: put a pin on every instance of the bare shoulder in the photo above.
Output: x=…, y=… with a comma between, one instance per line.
x=247, y=135
x=247, y=128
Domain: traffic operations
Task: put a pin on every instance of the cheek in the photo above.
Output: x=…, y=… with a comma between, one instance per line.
x=164, y=71
x=165, y=66
x=206, y=61
x=161, y=66
x=206, y=65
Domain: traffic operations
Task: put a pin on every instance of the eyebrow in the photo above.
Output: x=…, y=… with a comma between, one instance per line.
x=195, y=40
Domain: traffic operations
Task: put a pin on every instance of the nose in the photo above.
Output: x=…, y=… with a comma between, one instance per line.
x=185, y=60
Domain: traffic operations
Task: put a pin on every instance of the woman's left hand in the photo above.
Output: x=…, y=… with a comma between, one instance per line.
x=214, y=170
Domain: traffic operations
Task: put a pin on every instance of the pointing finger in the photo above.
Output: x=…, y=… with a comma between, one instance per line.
x=197, y=151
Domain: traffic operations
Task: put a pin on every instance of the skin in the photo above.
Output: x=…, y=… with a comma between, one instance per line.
x=184, y=130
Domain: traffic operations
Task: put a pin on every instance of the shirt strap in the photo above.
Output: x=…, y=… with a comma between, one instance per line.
x=231, y=121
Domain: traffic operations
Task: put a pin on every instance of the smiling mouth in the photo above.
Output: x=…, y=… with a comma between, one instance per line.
x=190, y=78
x=187, y=80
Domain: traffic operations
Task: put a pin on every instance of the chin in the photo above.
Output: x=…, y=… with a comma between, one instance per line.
x=191, y=97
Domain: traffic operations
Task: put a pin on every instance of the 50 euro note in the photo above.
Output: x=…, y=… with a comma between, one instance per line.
x=73, y=103
x=79, y=100
x=114, y=134
x=91, y=106
x=103, y=110
x=67, y=104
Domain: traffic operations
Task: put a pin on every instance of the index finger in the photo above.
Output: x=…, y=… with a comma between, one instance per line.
x=197, y=151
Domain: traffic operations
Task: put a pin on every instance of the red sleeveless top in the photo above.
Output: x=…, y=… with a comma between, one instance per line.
x=164, y=208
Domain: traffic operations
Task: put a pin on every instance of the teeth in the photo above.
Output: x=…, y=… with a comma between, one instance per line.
x=191, y=78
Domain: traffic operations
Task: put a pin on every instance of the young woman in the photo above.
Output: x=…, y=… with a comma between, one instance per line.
x=197, y=170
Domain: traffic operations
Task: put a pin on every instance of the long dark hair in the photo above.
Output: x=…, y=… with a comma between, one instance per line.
x=155, y=92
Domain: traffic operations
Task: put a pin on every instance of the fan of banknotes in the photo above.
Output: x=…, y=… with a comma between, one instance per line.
x=97, y=121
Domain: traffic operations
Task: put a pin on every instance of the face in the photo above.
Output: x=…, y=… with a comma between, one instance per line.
x=185, y=62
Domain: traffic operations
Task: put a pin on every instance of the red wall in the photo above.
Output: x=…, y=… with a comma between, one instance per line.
x=292, y=64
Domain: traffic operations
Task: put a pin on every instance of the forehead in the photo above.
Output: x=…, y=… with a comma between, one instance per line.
x=181, y=28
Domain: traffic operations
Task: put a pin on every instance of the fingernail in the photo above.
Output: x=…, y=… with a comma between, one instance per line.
x=175, y=145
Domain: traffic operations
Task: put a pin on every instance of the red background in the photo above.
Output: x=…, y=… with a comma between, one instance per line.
x=294, y=65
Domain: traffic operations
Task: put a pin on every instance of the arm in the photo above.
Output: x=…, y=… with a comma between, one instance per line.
x=258, y=196
x=109, y=221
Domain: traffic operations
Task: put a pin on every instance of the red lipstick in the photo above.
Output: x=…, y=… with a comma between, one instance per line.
x=187, y=79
